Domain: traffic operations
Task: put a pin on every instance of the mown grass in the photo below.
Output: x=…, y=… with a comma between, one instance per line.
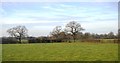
x=0, y=52
x=60, y=52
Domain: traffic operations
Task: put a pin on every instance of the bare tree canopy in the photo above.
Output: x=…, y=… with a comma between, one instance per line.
x=73, y=28
x=56, y=31
x=18, y=32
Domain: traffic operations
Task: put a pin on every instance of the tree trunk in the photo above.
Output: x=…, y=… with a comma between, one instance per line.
x=20, y=38
x=74, y=38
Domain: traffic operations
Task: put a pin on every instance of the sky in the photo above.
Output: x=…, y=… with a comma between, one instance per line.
x=59, y=0
x=41, y=17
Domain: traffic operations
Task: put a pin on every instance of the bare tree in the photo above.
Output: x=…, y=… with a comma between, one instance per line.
x=111, y=35
x=18, y=32
x=73, y=28
x=56, y=32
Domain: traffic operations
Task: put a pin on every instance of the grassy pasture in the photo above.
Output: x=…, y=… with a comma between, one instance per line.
x=60, y=52
x=0, y=52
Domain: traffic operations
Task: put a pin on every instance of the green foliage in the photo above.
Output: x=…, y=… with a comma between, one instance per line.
x=60, y=52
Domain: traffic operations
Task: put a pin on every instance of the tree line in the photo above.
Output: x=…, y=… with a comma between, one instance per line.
x=71, y=33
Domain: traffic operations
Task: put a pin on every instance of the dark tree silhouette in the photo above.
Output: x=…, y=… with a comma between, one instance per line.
x=111, y=35
x=18, y=32
x=73, y=28
x=56, y=32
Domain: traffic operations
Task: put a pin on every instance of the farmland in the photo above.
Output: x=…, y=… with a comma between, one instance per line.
x=60, y=52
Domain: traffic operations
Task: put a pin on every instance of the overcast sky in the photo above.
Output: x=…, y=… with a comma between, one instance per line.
x=40, y=18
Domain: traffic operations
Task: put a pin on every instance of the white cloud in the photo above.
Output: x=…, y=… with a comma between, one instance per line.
x=30, y=14
x=101, y=26
x=24, y=21
x=37, y=13
x=43, y=27
x=54, y=9
x=37, y=33
x=39, y=30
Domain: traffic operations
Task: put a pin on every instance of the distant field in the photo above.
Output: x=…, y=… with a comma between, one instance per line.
x=60, y=52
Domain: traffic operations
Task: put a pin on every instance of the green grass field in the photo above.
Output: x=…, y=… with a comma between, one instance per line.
x=0, y=52
x=60, y=52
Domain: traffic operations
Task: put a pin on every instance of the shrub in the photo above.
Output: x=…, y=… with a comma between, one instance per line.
x=9, y=40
